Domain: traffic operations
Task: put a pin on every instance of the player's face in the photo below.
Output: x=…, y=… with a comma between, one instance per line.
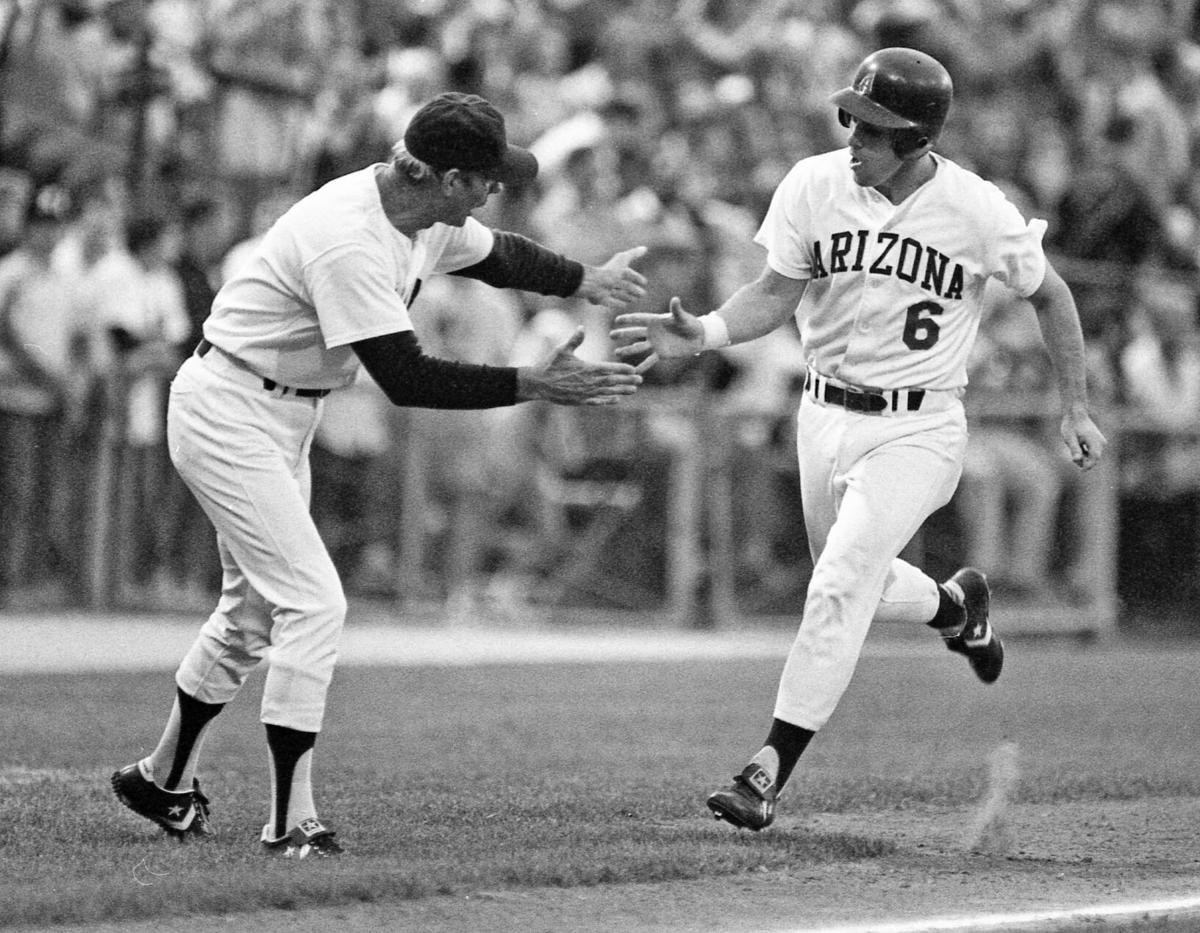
x=873, y=162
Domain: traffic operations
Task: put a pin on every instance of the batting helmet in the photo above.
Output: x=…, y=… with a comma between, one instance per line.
x=902, y=90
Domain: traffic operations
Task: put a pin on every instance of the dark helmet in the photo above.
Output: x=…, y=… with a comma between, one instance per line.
x=899, y=89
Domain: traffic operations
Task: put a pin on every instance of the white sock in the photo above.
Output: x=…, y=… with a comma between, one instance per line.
x=768, y=760
x=300, y=805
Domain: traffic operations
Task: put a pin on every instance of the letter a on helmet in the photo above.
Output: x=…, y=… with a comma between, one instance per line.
x=898, y=89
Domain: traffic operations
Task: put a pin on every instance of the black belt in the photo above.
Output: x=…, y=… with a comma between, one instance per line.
x=269, y=384
x=864, y=400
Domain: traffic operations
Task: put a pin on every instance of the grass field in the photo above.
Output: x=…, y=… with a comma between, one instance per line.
x=513, y=777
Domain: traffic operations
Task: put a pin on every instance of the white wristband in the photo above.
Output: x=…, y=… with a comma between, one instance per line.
x=716, y=332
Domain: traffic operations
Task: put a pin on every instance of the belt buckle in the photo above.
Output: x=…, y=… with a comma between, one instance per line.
x=863, y=400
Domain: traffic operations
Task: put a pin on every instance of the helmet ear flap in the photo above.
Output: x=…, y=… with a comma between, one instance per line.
x=843, y=117
x=906, y=141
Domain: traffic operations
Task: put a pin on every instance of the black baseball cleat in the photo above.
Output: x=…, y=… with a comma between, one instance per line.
x=749, y=803
x=977, y=640
x=309, y=839
x=183, y=815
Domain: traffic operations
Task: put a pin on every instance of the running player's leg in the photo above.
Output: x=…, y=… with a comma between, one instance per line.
x=887, y=477
x=867, y=485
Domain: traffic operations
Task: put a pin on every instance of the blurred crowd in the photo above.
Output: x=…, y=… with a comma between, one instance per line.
x=146, y=144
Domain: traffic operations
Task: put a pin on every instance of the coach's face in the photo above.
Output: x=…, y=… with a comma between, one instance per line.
x=873, y=161
x=466, y=192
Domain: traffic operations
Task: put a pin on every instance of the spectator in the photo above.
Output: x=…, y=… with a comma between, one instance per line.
x=16, y=187
x=1108, y=219
x=266, y=60
x=412, y=76
x=1091, y=106
x=1160, y=373
x=1160, y=449
x=266, y=211
x=585, y=210
x=191, y=561
x=1012, y=481
x=1118, y=84
x=140, y=304
x=344, y=130
x=40, y=347
x=354, y=502
x=199, y=251
x=472, y=457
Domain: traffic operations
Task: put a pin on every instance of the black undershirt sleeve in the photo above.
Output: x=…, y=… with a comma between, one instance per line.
x=518, y=262
x=408, y=377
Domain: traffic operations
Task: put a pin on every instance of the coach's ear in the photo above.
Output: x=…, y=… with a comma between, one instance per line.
x=448, y=178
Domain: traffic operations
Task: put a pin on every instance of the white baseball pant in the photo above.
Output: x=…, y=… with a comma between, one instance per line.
x=244, y=453
x=868, y=483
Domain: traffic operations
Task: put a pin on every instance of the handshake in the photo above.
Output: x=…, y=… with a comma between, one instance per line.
x=565, y=379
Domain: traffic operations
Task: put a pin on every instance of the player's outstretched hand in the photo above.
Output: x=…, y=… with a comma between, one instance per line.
x=565, y=379
x=616, y=283
x=674, y=334
x=1083, y=439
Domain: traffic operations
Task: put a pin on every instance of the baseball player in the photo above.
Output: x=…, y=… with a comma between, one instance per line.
x=881, y=251
x=330, y=288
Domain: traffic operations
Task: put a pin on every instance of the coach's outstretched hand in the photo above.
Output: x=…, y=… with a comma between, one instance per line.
x=565, y=379
x=616, y=283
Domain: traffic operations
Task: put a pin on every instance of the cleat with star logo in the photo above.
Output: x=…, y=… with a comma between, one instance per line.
x=183, y=815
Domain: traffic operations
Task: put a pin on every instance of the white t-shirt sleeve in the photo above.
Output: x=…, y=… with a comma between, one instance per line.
x=784, y=230
x=464, y=246
x=1018, y=259
x=353, y=295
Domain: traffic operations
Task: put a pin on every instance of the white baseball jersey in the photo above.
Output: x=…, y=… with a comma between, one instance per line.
x=906, y=310
x=332, y=271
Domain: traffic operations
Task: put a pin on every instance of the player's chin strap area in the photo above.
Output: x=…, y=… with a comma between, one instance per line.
x=826, y=390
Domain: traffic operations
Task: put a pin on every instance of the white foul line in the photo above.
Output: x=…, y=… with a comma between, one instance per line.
x=985, y=922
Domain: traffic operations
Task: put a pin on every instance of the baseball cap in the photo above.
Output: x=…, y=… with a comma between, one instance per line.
x=464, y=131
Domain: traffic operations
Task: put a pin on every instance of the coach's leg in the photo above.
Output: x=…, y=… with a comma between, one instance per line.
x=292, y=603
x=288, y=570
x=254, y=485
x=229, y=646
x=287, y=563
